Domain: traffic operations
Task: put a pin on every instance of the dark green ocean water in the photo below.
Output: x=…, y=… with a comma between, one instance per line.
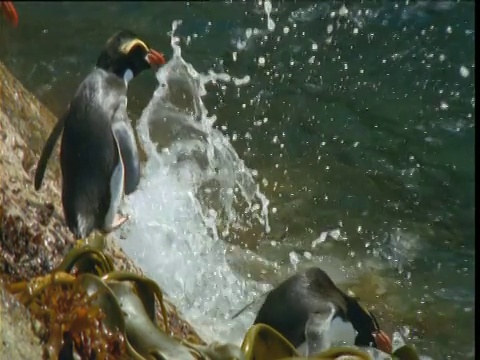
x=360, y=118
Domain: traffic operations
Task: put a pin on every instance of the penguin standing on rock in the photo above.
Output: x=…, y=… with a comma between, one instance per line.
x=306, y=307
x=98, y=156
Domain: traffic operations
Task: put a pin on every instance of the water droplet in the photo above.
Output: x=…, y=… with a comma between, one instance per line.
x=271, y=25
x=267, y=7
x=294, y=260
x=343, y=11
x=464, y=72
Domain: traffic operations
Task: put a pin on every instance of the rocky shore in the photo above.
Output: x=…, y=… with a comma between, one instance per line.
x=33, y=237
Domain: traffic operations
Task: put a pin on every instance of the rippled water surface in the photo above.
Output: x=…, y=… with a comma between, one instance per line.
x=355, y=119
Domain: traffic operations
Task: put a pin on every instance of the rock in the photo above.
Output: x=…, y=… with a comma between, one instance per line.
x=17, y=340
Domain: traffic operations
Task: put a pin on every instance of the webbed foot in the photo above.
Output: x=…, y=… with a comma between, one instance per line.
x=118, y=221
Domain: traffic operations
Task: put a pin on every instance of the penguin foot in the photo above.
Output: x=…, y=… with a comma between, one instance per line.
x=118, y=221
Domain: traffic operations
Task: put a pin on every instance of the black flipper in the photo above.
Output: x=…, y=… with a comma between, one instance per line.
x=254, y=301
x=129, y=153
x=47, y=151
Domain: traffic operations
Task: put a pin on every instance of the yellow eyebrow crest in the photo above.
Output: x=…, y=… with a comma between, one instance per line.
x=125, y=48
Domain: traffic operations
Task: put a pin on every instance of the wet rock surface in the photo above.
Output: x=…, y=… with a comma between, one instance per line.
x=17, y=340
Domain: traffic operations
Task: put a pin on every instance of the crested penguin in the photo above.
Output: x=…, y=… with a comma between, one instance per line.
x=98, y=155
x=311, y=312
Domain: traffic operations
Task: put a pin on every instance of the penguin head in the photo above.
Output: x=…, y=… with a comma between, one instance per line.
x=366, y=325
x=127, y=56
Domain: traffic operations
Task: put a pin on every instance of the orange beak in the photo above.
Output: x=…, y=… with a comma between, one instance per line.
x=155, y=58
x=383, y=341
x=9, y=12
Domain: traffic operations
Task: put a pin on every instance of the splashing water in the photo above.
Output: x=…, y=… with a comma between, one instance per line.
x=194, y=193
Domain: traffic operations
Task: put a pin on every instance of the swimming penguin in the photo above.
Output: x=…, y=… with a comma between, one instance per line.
x=308, y=308
x=98, y=156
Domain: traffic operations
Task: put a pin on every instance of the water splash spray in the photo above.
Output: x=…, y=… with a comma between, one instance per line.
x=195, y=191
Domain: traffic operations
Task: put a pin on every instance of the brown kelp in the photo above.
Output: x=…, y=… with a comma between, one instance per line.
x=90, y=310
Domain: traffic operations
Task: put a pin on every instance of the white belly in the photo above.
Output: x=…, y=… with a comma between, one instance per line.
x=323, y=333
x=321, y=337
x=116, y=190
